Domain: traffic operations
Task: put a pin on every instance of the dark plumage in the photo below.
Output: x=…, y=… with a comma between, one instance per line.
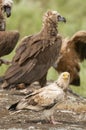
x=8, y=40
x=45, y=99
x=73, y=51
x=36, y=53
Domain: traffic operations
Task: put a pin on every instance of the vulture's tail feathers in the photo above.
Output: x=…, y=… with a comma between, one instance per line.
x=1, y=79
x=13, y=107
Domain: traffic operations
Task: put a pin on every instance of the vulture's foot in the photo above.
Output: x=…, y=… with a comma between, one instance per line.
x=52, y=121
x=2, y=61
x=4, y=85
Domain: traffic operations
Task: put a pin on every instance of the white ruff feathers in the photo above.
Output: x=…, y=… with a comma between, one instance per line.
x=8, y=2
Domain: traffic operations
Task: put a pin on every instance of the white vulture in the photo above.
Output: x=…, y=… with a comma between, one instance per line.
x=45, y=99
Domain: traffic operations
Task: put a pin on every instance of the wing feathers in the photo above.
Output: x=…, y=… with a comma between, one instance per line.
x=24, y=52
x=79, y=40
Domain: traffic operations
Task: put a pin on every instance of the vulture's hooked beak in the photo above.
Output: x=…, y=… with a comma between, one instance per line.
x=62, y=19
x=7, y=9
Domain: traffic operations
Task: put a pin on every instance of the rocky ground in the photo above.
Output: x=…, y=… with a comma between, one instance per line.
x=71, y=114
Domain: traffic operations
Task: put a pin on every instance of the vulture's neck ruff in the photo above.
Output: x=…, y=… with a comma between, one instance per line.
x=49, y=27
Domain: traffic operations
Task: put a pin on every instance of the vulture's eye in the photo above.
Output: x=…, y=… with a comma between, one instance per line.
x=58, y=16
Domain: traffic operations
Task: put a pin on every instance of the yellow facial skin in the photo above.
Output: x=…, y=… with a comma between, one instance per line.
x=66, y=75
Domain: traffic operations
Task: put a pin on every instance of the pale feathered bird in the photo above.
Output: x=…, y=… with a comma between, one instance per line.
x=36, y=54
x=73, y=52
x=45, y=99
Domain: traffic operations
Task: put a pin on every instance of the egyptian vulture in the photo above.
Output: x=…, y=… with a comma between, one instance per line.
x=73, y=51
x=36, y=54
x=45, y=99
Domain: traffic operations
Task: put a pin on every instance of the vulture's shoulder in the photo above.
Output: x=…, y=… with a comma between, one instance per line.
x=44, y=97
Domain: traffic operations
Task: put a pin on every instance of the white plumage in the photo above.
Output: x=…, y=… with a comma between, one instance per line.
x=8, y=2
x=45, y=99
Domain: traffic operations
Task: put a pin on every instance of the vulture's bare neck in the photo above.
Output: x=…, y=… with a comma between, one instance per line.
x=49, y=28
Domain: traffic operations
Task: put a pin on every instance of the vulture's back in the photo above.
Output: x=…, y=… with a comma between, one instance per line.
x=8, y=40
x=32, y=60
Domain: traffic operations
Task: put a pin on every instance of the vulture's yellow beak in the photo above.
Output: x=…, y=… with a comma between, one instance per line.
x=66, y=75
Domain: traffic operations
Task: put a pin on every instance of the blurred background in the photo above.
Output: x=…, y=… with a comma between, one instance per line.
x=27, y=19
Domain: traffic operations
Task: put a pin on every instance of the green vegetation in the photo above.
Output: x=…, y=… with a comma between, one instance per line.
x=27, y=18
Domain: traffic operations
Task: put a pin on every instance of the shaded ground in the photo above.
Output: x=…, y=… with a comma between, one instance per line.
x=72, y=114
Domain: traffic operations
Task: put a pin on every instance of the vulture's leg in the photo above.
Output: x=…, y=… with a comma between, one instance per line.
x=43, y=80
x=52, y=121
x=22, y=86
x=6, y=85
x=2, y=61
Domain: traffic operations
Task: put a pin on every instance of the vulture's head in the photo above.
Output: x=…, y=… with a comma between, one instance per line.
x=7, y=5
x=54, y=17
x=64, y=80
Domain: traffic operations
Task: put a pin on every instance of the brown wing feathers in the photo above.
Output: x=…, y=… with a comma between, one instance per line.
x=36, y=53
x=8, y=39
x=73, y=51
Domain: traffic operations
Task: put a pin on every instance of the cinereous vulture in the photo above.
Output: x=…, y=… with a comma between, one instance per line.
x=8, y=39
x=36, y=53
x=73, y=51
x=45, y=99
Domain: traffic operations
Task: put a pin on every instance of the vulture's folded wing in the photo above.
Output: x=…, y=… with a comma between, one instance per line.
x=8, y=40
x=41, y=99
x=29, y=49
x=79, y=41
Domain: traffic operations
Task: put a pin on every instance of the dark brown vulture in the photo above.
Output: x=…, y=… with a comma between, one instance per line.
x=45, y=99
x=36, y=54
x=73, y=51
x=8, y=40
